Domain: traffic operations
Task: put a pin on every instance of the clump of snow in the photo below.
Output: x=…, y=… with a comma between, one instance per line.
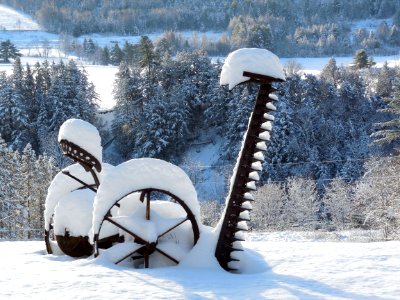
x=259, y=156
x=74, y=213
x=267, y=125
x=83, y=134
x=254, y=60
x=256, y=166
x=248, y=196
x=262, y=145
x=269, y=117
x=138, y=174
x=247, y=205
x=265, y=136
x=273, y=97
x=202, y=254
x=254, y=176
x=271, y=106
x=61, y=186
x=251, y=185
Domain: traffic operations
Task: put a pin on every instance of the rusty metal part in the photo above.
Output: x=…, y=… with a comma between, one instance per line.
x=84, y=158
x=85, y=185
x=47, y=234
x=75, y=246
x=245, y=165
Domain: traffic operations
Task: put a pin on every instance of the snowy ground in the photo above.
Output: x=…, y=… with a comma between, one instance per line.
x=296, y=267
x=200, y=162
x=109, y=40
x=313, y=65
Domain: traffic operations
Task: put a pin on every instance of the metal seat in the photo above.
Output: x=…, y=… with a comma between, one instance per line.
x=79, y=155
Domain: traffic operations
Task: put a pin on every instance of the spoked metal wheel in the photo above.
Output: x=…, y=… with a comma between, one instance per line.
x=157, y=229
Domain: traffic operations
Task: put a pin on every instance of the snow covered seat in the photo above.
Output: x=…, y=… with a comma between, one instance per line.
x=246, y=63
x=81, y=142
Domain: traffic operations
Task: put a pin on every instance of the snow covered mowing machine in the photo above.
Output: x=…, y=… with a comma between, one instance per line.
x=145, y=212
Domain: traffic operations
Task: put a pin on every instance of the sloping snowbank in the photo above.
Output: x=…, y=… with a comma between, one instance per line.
x=11, y=19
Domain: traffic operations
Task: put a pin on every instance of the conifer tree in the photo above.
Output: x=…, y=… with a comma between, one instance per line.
x=128, y=108
x=116, y=55
x=389, y=131
x=6, y=108
x=8, y=51
x=20, y=127
x=329, y=72
x=362, y=60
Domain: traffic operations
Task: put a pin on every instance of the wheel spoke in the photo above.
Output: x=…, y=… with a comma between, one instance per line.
x=122, y=251
x=148, y=205
x=137, y=237
x=111, y=239
x=142, y=196
x=126, y=256
x=173, y=227
x=166, y=255
x=146, y=260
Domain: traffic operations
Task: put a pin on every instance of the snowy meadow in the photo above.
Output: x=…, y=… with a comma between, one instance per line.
x=291, y=266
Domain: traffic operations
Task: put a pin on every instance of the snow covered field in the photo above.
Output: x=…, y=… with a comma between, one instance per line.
x=296, y=267
x=313, y=65
x=10, y=19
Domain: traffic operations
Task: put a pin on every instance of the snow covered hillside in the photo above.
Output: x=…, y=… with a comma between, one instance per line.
x=10, y=19
x=292, y=266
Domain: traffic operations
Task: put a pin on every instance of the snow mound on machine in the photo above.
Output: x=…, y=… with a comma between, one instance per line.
x=137, y=174
x=83, y=134
x=74, y=213
x=62, y=185
x=254, y=60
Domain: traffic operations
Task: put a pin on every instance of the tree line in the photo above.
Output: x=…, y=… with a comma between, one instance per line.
x=34, y=102
x=24, y=179
x=133, y=17
x=369, y=203
x=288, y=28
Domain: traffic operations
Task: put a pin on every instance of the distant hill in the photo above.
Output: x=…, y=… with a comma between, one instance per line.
x=132, y=17
x=11, y=19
